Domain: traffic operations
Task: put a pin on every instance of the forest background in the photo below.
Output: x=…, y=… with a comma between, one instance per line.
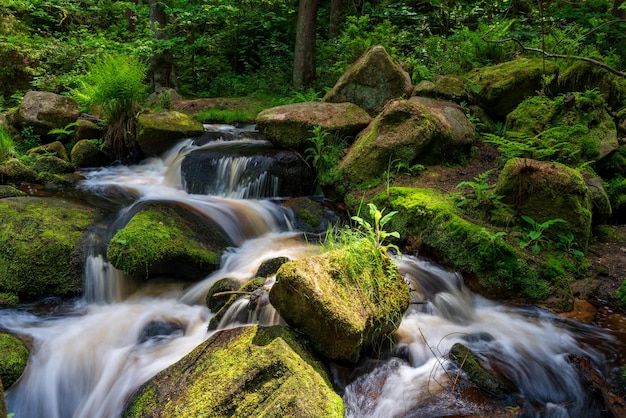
x=288, y=50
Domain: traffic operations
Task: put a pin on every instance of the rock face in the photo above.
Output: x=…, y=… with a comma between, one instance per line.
x=418, y=130
x=290, y=126
x=547, y=191
x=164, y=239
x=13, y=358
x=157, y=132
x=373, y=80
x=321, y=296
x=248, y=371
x=500, y=88
x=55, y=148
x=39, y=246
x=45, y=111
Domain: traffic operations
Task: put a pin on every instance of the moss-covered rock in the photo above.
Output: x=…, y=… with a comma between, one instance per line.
x=10, y=191
x=582, y=76
x=544, y=191
x=13, y=358
x=166, y=239
x=14, y=171
x=571, y=129
x=3, y=405
x=52, y=165
x=311, y=215
x=254, y=286
x=270, y=267
x=412, y=131
x=55, y=148
x=430, y=223
x=442, y=87
x=501, y=88
x=290, y=126
x=215, y=301
x=600, y=201
x=40, y=251
x=251, y=371
x=88, y=129
x=89, y=153
x=481, y=376
x=344, y=300
x=158, y=132
x=373, y=80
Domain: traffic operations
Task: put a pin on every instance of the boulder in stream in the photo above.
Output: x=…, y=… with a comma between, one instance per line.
x=13, y=358
x=289, y=126
x=246, y=371
x=41, y=250
x=158, y=132
x=166, y=239
x=343, y=300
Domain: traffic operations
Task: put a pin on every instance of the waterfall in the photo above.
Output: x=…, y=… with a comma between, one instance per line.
x=87, y=358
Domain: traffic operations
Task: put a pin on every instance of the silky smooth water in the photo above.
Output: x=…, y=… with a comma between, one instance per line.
x=89, y=355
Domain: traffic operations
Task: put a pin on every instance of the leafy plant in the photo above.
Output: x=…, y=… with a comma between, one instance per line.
x=114, y=83
x=567, y=244
x=375, y=231
x=323, y=154
x=29, y=139
x=620, y=294
x=64, y=133
x=535, y=237
x=481, y=196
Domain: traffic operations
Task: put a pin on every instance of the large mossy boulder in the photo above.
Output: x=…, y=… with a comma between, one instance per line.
x=373, y=80
x=158, y=132
x=166, y=239
x=40, y=246
x=241, y=372
x=583, y=76
x=571, y=129
x=343, y=300
x=13, y=171
x=13, y=358
x=45, y=111
x=431, y=224
x=545, y=191
x=55, y=149
x=442, y=87
x=501, y=88
x=89, y=153
x=419, y=130
x=290, y=126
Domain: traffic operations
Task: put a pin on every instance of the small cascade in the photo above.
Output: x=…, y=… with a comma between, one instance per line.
x=104, y=283
x=529, y=347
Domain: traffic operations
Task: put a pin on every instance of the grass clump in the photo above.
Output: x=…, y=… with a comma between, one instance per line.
x=114, y=85
x=7, y=147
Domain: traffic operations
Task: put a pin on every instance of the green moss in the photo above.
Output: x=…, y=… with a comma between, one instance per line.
x=9, y=191
x=249, y=371
x=428, y=217
x=39, y=246
x=159, y=236
x=13, y=358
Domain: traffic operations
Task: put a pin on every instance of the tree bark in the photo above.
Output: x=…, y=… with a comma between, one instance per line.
x=131, y=18
x=162, y=66
x=336, y=13
x=304, y=52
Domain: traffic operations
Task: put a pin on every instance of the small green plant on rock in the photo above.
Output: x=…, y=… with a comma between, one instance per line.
x=567, y=245
x=65, y=132
x=535, y=237
x=375, y=231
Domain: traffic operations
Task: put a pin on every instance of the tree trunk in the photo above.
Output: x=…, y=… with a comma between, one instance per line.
x=336, y=13
x=162, y=66
x=304, y=53
x=131, y=17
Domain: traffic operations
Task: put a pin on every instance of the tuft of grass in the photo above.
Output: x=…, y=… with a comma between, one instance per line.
x=7, y=146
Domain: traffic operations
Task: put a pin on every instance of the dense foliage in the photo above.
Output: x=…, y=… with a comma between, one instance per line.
x=245, y=47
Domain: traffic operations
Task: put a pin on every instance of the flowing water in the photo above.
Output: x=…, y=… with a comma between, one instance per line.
x=88, y=355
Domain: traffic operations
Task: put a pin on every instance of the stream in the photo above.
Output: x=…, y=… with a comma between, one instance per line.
x=89, y=354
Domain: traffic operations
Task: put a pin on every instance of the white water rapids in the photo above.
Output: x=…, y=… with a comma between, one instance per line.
x=89, y=355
